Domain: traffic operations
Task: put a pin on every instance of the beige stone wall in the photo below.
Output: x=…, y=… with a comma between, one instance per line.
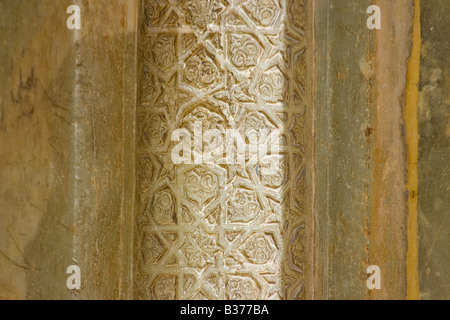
x=66, y=156
x=87, y=176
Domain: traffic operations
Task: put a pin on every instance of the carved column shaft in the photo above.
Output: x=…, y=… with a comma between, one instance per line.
x=220, y=226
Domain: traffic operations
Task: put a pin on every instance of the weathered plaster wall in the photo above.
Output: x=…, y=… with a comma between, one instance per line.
x=67, y=101
x=36, y=157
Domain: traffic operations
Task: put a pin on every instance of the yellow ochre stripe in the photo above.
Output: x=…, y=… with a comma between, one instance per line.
x=412, y=142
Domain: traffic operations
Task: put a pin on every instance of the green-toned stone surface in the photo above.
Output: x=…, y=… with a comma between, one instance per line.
x=360, y=149
x=434, y=151
x=343, y=112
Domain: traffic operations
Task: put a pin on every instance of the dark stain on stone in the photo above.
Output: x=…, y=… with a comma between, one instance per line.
x=368, y=133
x=24, y=87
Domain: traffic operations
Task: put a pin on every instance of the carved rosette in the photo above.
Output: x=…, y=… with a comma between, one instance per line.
x=243, y=206
x=245, y=51
x=201, y=13
x=263, y=12
x=220, y=230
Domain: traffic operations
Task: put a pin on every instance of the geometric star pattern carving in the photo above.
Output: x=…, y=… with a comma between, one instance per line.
x=218, y=231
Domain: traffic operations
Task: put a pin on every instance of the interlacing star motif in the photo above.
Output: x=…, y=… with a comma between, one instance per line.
x=200, y=249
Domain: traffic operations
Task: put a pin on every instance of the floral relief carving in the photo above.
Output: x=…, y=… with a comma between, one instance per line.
x=201, y=296
x=299, y=191
x=152, y=248
x=215, y=283
x=164, y=288
x=258, y=129
x=200, y=249
x=272, y=86
x=215, y=39
x=272, y=170
x=243, y=206
x=188, y=41
x=300, y=71
x=263, y=12
x=213, y=216
x=212, y=132
x=201, y=185
x=241, y=288
x=298, y=130
x=244, y=51
x=258, y=249
x=200, y=71
x=210, y=120
x=163, y=207
x=164, y=53
x=200, y=13
x=156, y=130
x=235, y=94
x=149, y=87
x=154, y=11
x=171, y=97
x=297, y=248
x=172, y=20
x=213, y=229
x=234, y=20
x=297, y=10
x=146, y=171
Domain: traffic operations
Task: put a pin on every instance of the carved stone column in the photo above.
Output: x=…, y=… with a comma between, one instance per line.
x=218, y=229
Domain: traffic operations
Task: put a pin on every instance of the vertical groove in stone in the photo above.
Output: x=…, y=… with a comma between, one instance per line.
x=220, y=230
